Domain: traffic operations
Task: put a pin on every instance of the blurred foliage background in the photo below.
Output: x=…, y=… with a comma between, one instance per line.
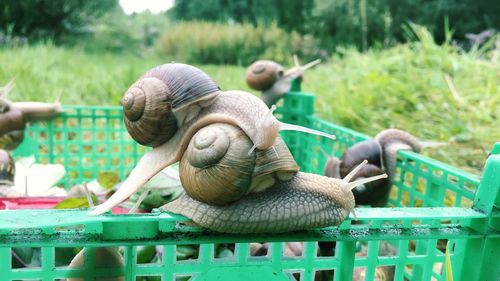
x=427, y=66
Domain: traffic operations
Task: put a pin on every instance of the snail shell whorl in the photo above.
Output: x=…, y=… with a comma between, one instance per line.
x=262, y=74
x=7, y=168
x=148, y=103
x=216, y=168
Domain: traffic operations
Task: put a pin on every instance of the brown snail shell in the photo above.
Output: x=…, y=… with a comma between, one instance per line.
x=148, y=103
x=262, y=74
x=11, y=119
x=217, y=169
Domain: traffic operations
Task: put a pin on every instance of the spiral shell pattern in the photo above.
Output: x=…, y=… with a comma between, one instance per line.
x=213, y=169
x=262, y=74
x=148, y=103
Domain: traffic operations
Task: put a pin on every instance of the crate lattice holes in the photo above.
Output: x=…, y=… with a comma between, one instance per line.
x=408, y=238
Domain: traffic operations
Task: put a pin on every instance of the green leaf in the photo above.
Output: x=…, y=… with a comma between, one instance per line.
x=185, y=252
x=26, y=257
x=108, y=179
x=449, y=273
x=145, y=254
x=75, y=203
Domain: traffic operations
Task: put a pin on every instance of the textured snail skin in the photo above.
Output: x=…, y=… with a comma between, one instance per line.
x=38, y=110
x=306, y=201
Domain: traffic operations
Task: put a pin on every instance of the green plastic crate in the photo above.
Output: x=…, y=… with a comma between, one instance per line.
x=91, y=139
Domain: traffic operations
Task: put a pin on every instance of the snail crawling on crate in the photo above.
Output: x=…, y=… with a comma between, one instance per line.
x=271, y=78
x=381, y=155
x=237, y=173
x=15, y=115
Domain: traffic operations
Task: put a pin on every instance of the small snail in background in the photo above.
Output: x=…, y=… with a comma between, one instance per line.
x=15, y=115
x=271, y=78
x=104, y=257
x=229, y=185
x=170, y=103
x=381, y=155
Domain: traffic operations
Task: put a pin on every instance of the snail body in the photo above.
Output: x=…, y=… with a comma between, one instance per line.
x=305, y=201
x=187, y=115
x=221, y=149
x=380, y=153
x=224, y=193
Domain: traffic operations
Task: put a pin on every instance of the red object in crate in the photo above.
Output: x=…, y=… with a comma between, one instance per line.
x=19, y=203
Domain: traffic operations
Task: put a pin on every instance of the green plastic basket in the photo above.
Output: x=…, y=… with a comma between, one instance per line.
x=91, y=139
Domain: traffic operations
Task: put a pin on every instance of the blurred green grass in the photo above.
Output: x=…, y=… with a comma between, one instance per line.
x=402, y=87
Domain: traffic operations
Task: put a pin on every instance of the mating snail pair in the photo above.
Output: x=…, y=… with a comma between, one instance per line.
x=271, y=78
x=238, y=174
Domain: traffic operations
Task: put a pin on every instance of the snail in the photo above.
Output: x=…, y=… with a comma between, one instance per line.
x=380, y=153
x=271, y=78
x=170, y=103
x=104, y=257
x=213, y=170
x=15, y=115
x=7, y=172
